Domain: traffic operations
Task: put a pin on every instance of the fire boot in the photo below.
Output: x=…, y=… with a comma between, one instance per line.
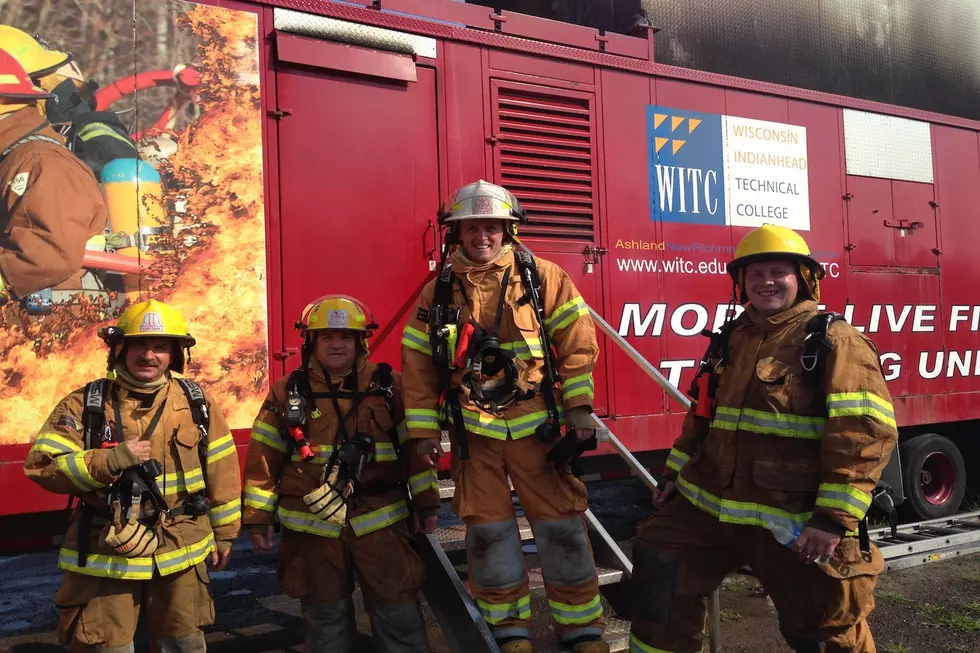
x=588, y=644
x=400, y=628
x=329, y=626
x=189, y=644
x=517, y=645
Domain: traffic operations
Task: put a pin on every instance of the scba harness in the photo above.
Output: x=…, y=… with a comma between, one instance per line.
x=132, y=530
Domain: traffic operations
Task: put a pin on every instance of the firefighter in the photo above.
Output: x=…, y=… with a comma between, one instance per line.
x=50, y=204
x=476, y=360
x=791, y=428
x=154, y=464
x=96, y=137
x=327, y=457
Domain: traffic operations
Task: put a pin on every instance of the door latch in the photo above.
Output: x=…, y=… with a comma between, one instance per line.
x=903, y=225
x=285, y=353
x=592, y=255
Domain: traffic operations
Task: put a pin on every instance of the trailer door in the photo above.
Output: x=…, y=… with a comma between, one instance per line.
x=359, y=182
x=545, y=151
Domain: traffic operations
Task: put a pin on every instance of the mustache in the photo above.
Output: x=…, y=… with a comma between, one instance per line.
x=147, y=362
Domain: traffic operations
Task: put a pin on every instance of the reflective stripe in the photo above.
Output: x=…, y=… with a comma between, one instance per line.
x=576, y=614
x=269, y=436
x=740, y=512
x=73, y=466
x=861, y=404
x=304, y=522
x=566, y=314
x=498, y=428
x=380, y=518
x=525, y=349
x=194, y=480
x=494, y=613
x=220, y=448
x=636, y=646
x=402, y=431
x=106, y=566
x=676, y=460
x=422, y=418
x=384, y=452
x=52, y=443
x=423, y=481
x=758, y=421
x=321, y=454
x=260, y=499
x=578, y=385
x=95, y=130
x=184, y=557
x=417, y=340
x=226, y=513
x=843, y=497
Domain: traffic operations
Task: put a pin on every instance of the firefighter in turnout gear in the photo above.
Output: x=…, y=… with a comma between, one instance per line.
x=50, y=204
x=154, y=464
x=791, y=428
x=328, y=458
x=96, y=137
x=477, y=358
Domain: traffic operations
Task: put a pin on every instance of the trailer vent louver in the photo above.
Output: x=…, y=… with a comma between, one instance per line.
x=546, y=157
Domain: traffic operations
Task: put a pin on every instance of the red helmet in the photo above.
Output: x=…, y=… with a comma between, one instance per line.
x=15, y=83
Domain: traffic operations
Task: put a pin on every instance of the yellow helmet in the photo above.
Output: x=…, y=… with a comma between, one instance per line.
x=149, y=319
x=36, y=59
x=772, y=242
x=335, y=313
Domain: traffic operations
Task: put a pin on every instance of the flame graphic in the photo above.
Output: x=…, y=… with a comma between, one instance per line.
x=215, y=273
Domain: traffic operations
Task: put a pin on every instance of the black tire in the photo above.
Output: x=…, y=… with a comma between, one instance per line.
x=934, y=476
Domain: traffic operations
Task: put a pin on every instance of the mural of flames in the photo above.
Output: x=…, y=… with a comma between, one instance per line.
x=216, y=273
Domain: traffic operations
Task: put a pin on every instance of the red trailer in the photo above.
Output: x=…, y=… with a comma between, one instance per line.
x=639, y=179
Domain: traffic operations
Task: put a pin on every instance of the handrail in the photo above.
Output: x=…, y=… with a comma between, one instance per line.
x=603, y=434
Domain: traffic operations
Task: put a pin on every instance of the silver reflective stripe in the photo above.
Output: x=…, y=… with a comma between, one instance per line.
x=378, y=519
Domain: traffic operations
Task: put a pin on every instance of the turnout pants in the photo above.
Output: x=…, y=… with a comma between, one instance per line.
x=320, y=572
x=682, y=554
x=100, y=614
x=554, y=502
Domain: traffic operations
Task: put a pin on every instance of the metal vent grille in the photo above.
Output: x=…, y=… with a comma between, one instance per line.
x=546, y=156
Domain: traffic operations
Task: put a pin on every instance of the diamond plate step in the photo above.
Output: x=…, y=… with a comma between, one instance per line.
x=453, y=537
x=447, y=489
x=607, y=576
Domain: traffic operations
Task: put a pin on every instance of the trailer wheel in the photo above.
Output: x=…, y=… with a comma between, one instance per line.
x=934, y=475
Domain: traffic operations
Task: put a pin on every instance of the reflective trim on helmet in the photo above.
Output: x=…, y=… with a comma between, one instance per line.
x=575, y=615
x=106, y=566
x=220, y=448
x=269, y=436
x=304, y=522
x=841, y=496
x=226, y=513
x=861, y=404
x=566, y=314
x=256, y=497
x=96, y=130
x=759, y=421
x=378, y=519
x=73, y=466
x=676, y=460
x=54, y=444
x=184, y=557
x=417, y=340
x=576, y=386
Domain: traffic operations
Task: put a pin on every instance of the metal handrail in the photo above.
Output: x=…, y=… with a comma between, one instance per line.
x=605, y=435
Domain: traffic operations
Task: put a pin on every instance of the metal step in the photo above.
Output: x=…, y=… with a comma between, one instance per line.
x=535, y=579
x=453, y=537
x=447, y=489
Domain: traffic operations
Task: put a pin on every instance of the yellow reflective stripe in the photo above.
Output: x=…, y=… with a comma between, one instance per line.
x=637, y=646
x=402, y=431
x=498, y=428
x=494, y=613
x=94, y=130
x=194, y=480
x=417, y=340
x=843, y=497
x=73, y=466
x=566, y=614
x=380, y=518
x=422, y=418
x=172, y=483
x=525, y=349
x=260, y=499
x=384, y=452
x=269, y=436
x=52, y=443
x=423, y=481
x=304, y=522
x=740, y=512
x=578, y=385
x=861, y=404
x=220, y=448
x=226, y=513
x=676, y=459
x=321, y=453
x=526, y=424
x=185, y=557
x=566, y=314
x=106, y=566
x=759, y=421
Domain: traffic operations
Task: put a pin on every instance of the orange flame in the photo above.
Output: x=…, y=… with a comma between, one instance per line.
x=216, y=274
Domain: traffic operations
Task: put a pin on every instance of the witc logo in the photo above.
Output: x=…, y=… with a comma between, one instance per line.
x=151, y=323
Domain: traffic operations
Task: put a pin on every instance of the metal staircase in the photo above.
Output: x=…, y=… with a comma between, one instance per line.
x=445, y=556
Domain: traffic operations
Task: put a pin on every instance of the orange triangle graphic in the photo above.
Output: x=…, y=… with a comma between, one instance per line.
x=675, y=122
x=661, y=142
x=692, y=124
x=678, y=144
x=658, y=118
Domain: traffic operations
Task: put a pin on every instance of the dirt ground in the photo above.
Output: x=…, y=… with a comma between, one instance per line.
x=933, y=608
